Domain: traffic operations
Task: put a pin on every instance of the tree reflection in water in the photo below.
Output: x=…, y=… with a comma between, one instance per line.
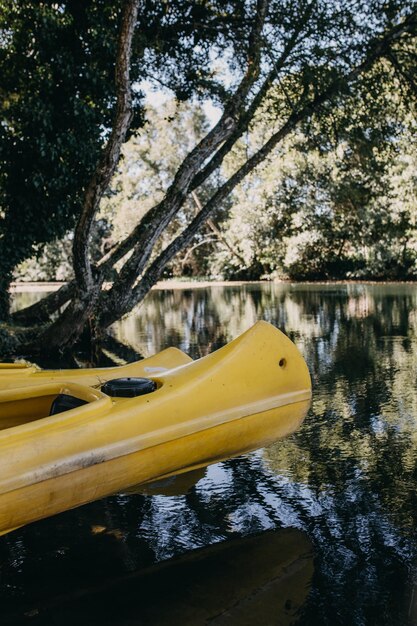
x=347, y=478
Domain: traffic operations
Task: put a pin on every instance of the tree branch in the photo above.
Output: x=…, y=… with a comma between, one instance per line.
x=204, y=242
x=377, y=49
x=111, y=154
x=247, y=115
x=214, y=229
x=404, y=76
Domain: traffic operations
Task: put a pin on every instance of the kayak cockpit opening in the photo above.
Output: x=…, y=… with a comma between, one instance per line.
x=64, y=402
x=29, y=404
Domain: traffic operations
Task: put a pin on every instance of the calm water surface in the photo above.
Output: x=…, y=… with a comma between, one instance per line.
x=345, y=483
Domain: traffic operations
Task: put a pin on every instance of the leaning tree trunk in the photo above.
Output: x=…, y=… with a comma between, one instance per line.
x=79, y=315
x=77, y=319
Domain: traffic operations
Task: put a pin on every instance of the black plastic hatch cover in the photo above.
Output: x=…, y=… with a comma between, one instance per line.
x=128, y=387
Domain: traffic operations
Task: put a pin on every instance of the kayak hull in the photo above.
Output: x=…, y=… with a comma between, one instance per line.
x=49, y=497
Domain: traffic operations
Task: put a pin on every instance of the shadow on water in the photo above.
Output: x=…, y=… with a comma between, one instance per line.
x=347, y=479
x=261, y=579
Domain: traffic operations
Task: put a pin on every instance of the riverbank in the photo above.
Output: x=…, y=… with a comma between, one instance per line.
x=34, y=287
x=163, y=284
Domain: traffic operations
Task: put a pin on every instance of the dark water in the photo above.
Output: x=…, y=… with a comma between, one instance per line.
x=345, y=484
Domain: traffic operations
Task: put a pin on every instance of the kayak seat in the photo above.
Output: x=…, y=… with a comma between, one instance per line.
x=64, y=402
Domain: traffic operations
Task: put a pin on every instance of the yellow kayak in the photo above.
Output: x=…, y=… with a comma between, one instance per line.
x=69, y=437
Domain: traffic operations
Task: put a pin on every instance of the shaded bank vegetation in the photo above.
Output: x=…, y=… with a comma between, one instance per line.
x=305, y=170
x=342, y=207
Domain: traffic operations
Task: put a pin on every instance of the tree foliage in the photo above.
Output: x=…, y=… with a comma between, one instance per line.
x=297, y=66
x=57, y=90
x=337, y=200
x=57, y=62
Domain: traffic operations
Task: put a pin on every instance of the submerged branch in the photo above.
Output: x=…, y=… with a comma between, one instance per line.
x=41, y=311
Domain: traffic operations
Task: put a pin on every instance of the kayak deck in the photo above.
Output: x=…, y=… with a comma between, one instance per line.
x=17, y=375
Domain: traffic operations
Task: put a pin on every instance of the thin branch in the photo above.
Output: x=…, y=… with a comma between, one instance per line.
x=195, y=246
x=248, y=114
x=214, y=229
x=404, y=76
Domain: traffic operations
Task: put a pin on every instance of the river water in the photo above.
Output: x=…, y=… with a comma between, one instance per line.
x=339, y=494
